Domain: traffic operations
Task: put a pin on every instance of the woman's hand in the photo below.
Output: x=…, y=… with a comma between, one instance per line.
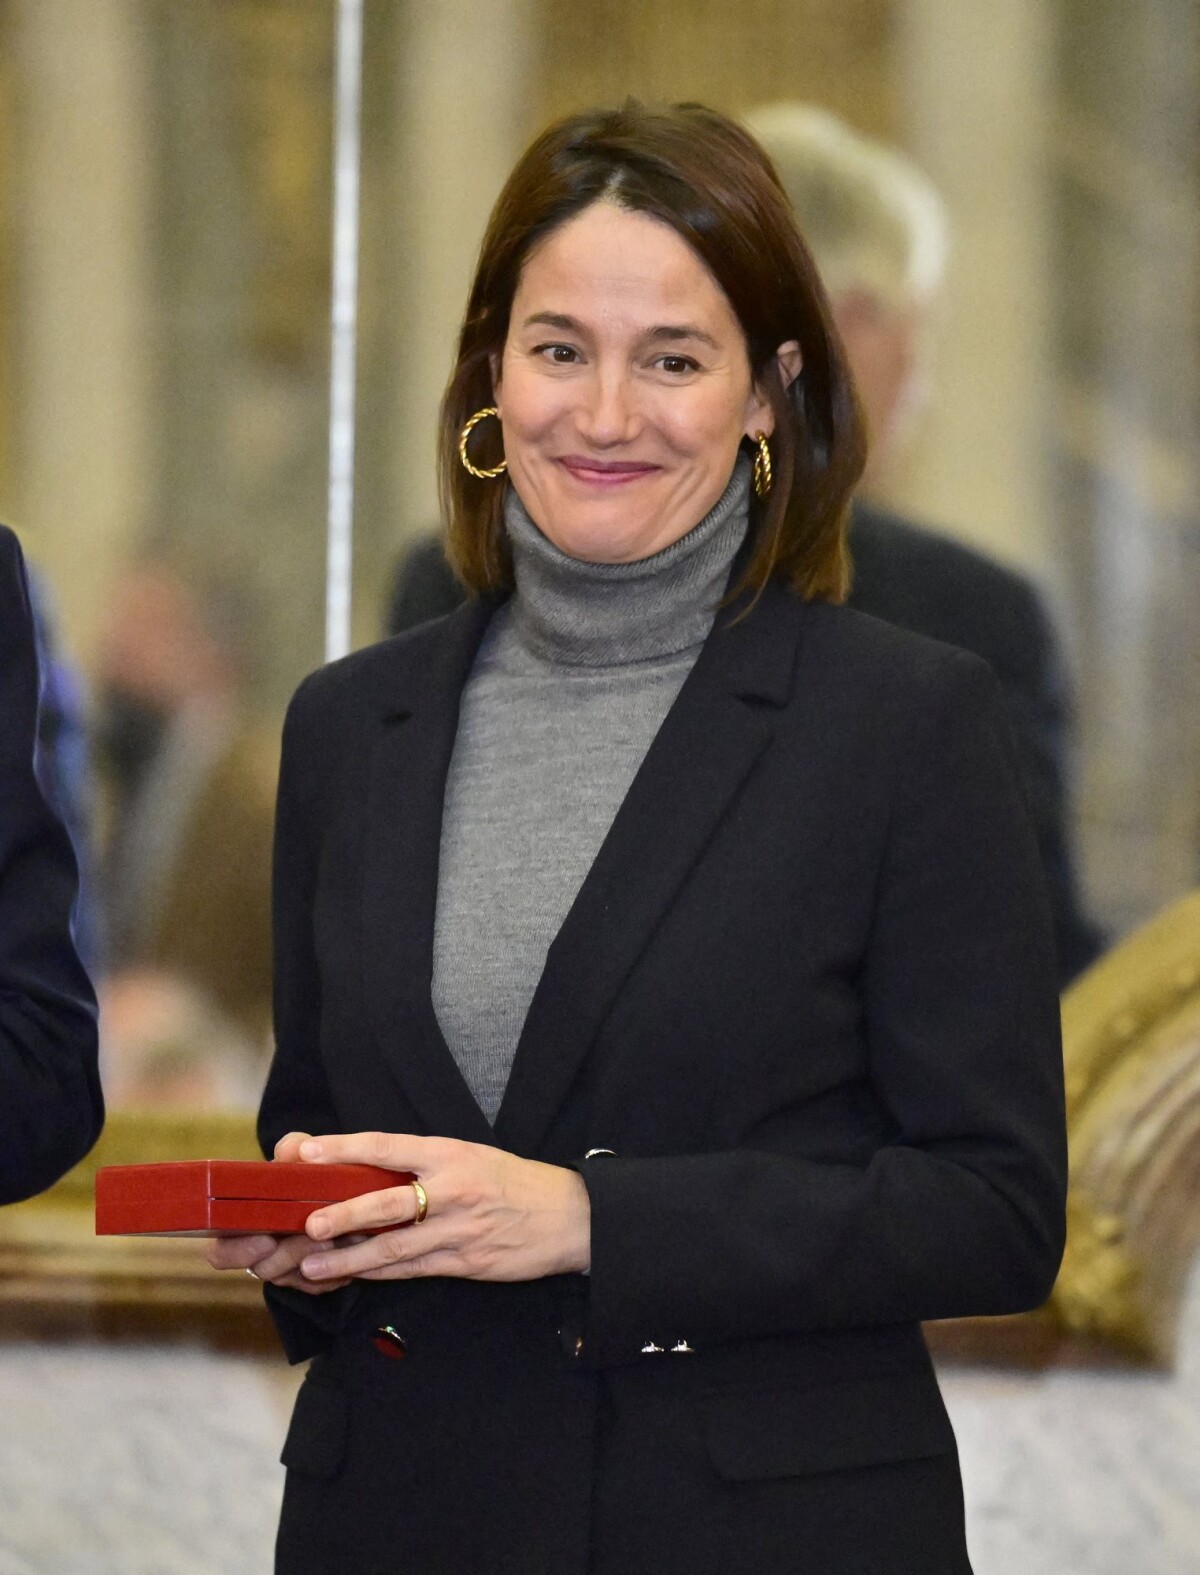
x=275, y=1260
x=491, y=1216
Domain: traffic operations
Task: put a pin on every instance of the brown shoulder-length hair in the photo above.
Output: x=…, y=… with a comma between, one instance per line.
x=710, y=181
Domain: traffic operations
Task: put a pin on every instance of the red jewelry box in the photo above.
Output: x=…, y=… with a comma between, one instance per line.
x=226, y=1197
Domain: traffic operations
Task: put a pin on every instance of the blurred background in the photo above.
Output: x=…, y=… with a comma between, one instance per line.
x=165, y=190
x=165, y=261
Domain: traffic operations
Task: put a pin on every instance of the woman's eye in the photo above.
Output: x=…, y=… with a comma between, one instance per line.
x=677, y=365
x=558, y=355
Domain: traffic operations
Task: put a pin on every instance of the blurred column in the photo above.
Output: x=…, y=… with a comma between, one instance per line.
x=1125, y=169
x=463, y=96
x=82, y=459
x=976, y=85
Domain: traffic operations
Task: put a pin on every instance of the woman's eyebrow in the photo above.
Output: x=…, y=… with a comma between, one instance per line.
x=666, y=333
x=554, y=320
x=671, y=333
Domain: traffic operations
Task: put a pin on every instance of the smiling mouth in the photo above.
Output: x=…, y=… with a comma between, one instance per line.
x=605, y=473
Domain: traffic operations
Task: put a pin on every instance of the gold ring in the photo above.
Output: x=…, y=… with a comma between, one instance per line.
x=422, y=1201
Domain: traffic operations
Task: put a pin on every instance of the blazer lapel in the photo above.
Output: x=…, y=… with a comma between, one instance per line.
x=400, y=854
x=708, y=743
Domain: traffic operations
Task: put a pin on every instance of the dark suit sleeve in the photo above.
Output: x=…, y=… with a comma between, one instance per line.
x=961, y=1212
x=297, y=1096
x=1037, y=694
x=51, y=1108
x=937, y=586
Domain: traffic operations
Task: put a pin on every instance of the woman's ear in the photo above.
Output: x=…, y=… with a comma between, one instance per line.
x=494, y=363
x=789, y=362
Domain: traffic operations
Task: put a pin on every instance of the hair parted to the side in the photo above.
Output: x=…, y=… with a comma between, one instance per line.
x=707, y=178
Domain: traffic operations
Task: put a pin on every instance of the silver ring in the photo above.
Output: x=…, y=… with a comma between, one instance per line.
x=253, y=1275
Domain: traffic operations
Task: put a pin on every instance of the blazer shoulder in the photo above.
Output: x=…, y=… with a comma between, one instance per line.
x=898, y=707
x=391, y=676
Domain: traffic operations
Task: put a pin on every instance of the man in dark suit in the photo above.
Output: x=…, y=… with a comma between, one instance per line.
x=51, y=1108
x=878, y=231
x=929, y=583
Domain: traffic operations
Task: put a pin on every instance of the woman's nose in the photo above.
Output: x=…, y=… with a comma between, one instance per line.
x=609, y=414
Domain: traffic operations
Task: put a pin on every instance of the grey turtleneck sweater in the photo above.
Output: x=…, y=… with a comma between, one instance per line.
x=571, y=683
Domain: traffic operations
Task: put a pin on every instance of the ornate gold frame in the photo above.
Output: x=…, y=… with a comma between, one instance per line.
x=1131, y=1044
x=58, y=1278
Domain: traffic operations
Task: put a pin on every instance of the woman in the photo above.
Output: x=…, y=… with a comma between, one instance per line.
x=689, y=946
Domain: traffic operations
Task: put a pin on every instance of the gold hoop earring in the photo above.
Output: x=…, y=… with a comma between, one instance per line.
x=762, y=467
x=482, y=475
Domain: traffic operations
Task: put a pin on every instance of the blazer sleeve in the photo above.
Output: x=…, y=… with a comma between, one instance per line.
x=962, y=1211
x=1040, y=708
x=297, y=1096
x=51, y=1108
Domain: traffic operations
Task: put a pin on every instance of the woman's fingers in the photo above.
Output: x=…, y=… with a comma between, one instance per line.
x=425, y=1265
x=392, y=1150
x=296, y=1281
x=283, y=1267
x=287, y=1257
x=390, y=1206
x=370, y=1211
x=287, y=1149
x=273, y=1259
x=385, y=1256
x=239, y=1252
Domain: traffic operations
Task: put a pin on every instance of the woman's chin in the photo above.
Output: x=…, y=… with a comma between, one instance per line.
x=615, y=530
x=594, y=543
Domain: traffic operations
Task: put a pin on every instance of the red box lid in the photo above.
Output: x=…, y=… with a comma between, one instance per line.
x=209, y=1197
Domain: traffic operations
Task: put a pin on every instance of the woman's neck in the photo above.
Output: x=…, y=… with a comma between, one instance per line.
x=608, y=614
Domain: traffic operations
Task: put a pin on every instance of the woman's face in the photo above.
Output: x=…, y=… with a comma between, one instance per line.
x=624, y=387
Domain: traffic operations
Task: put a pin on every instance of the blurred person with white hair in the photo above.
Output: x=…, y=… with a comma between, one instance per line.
x=879, y=233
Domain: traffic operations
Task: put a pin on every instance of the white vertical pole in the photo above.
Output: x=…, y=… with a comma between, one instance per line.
x=344, y=325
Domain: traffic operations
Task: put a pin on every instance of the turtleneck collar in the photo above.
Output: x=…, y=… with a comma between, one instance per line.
x=608, y=614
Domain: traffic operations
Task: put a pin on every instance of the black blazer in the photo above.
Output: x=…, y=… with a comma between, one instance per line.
x=50, y=1103
x=927, y=582
x=807, y=995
